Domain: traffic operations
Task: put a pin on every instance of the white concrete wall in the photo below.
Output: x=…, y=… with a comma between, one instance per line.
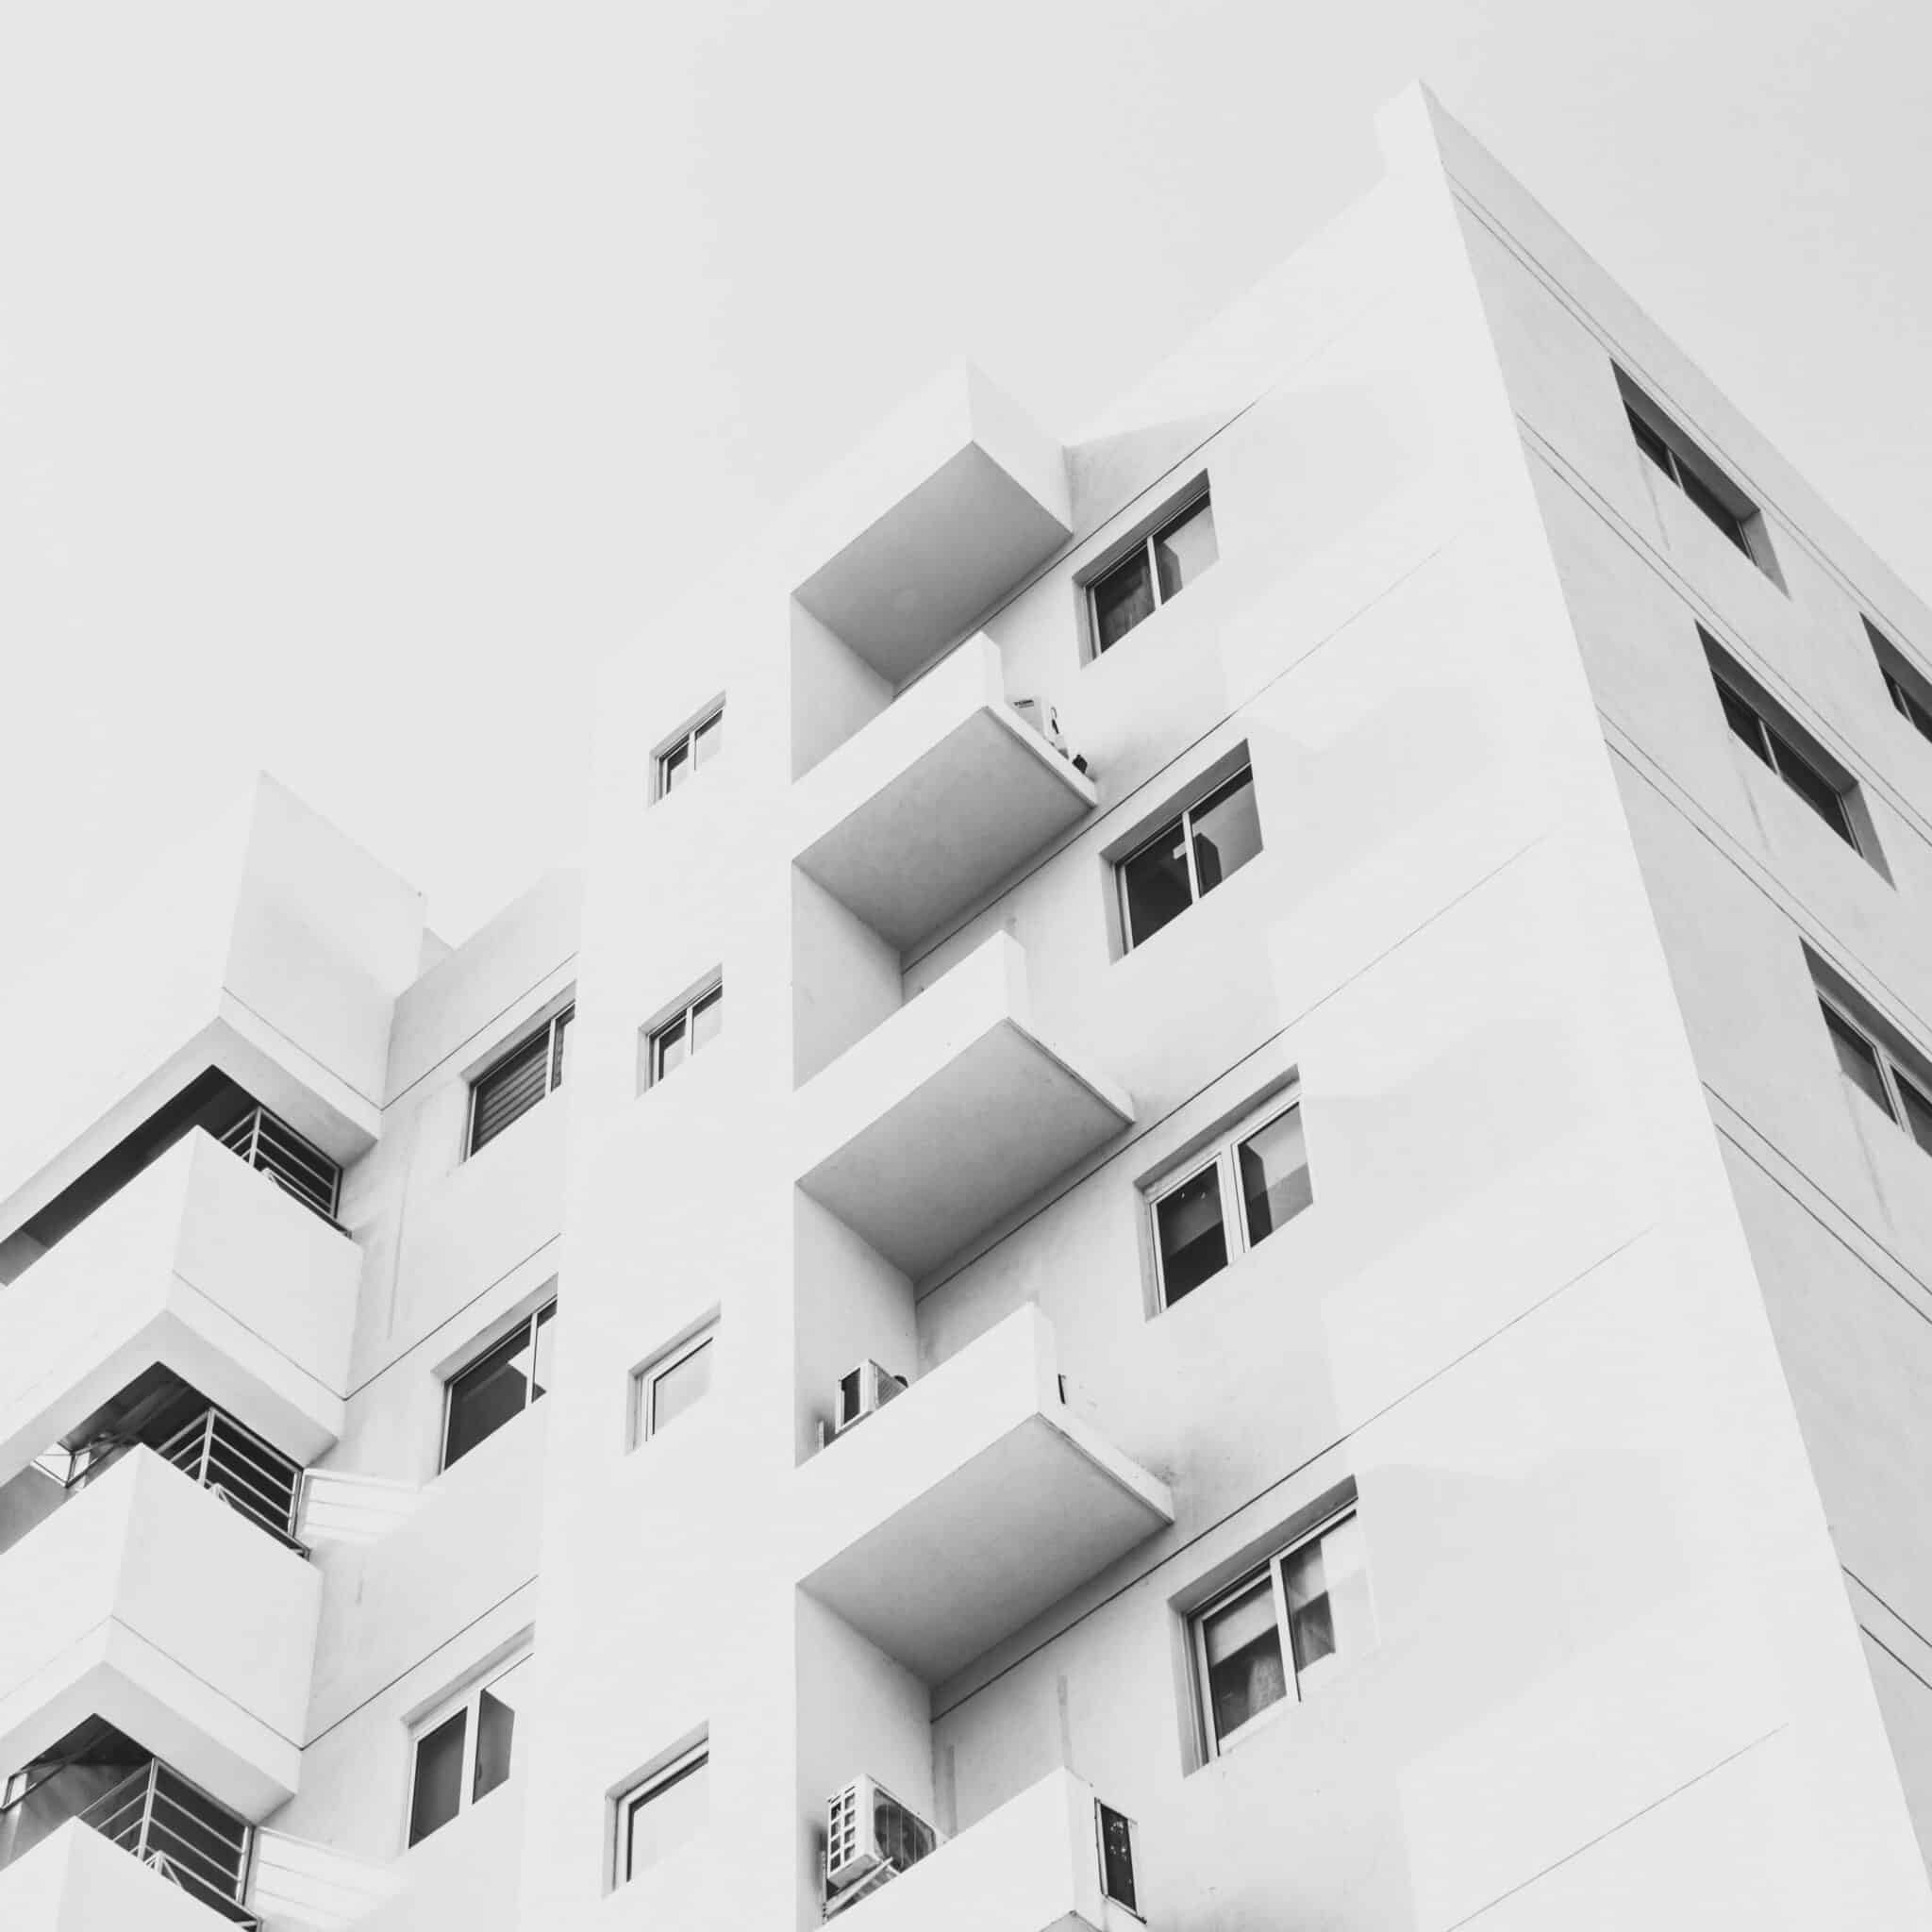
x=76, y=1881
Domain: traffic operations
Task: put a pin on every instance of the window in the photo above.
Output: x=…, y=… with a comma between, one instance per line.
x=1189, y=857
x=677, y=1381
x=692, y=1027
x=1228, y=1200
x=498, y=1386
x=1877, y=1073
x=464, y=1753
x=1283, y=1629
x=1905, y=684
x=1167, y=557
x=671, y=1807
x=519, y=1080
x=690, y=751
x=1116, y=1832
x=1772, y=746
x=1687, y=467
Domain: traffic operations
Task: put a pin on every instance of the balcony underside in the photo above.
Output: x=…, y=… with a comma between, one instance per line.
x=948, y=791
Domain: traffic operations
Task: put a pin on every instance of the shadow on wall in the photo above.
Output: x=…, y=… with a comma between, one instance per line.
x=307, y=1884
x=355, y=1509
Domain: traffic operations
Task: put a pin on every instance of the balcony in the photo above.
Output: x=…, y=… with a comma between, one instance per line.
x=148, y=1602
x=977, y=1501
x=217, y=1273
x=1052, y=1859
x=933, y=802
x=79, y=1881
x=941, y=512
x=950, y=1115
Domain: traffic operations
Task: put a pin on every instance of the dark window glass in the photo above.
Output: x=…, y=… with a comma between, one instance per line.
x=1744, y=723
x=1117, y=1858
x=707, y=740
x=1908, y=707
x=438, y=1787
x=1246, y=1670
x=1857, y=1059
x=497, y=1388
x=556, y=1048
x=674, y=768
x=675, y=1041
x=1185, y=548
x=1918, y=1109
x=1194, y=1241
x=1227, y=831
x=1156, y=883
x=673, y=1045
x=496, y=1722
x=1123, y=598
x=518, y=1081
x=1811, y=785
x=1651, y=445
x=1274, y=1174
x=1310, y=1618
x=1707, y=500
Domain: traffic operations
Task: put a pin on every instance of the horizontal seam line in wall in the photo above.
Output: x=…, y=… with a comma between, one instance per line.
x=214, y=1689
x=443, y=1643
x=1895, y=1656
x=1889, y=1610
x=1085, y=1172
x=1795, y=700
x=1787, y=903
x=1641, y=1811
x=1763, y=497
x=423, y=1341
x=1122, y=805
x=307, y=1054
x=1306, y=1463
x=281, y=1354
x=482, y=1027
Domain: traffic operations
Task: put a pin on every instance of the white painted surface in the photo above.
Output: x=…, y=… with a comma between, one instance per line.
x=76, y=1881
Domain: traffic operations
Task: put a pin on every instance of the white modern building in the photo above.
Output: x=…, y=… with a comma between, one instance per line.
x=1215, y=1210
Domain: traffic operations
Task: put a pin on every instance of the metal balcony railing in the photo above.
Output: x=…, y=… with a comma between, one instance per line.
x=243, y=1469
x=295, y=1164
x=183, y=1834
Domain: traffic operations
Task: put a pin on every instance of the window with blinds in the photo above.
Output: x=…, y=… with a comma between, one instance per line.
x=519, y=1080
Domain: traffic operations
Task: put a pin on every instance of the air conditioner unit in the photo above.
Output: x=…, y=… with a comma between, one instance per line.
x=870, y=1837
x=1046, y=719
x=862, y=1393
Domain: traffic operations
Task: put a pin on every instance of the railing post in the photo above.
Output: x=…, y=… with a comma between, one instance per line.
x=147, y=1810
x=207, y=1449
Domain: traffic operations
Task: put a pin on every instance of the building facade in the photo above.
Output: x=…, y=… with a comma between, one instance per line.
x=1212, y=1211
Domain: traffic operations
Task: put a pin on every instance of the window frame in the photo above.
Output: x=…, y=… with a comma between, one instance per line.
x=1892, y=1075
x=684, y=740
x=527, y=1326
x=1774, y=749
x=683, y=1014
x=653, y=1785
x=644, y=1427
x=556, y=1028
x=1271, y=1566
x=1224, y=1154
x=1180, y=822
x=1176, y=511
x=1697, y=475
x=468, y=1700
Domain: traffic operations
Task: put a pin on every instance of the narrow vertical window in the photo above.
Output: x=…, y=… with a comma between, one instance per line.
x=526, y=1074
x=464, y=1751
x=1876, y=1071
x=689, y=751
x=692, y=1027
x=667, y=1810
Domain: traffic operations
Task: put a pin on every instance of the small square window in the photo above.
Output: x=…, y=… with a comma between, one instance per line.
x=669, y=1809
x=498, y=1386
x=1254, y=1182
x=689, y=1029
x=1189, y=857
x=463, y=1751
x=675, y=1382
x=1160, y=563
x=1281, y=1631
x=529, y=1072
x=689, y=752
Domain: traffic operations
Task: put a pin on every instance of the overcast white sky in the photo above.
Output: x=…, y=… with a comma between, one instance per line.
x=366, y=372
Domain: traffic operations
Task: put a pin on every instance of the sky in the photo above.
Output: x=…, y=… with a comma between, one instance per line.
x=369, y=373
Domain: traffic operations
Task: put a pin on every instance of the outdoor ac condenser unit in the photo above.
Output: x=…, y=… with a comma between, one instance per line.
x=870, y=1837
x=863, y=1391
x=1046, y=719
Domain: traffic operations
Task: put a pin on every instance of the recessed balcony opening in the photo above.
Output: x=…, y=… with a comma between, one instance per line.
x=102, y=1777
x=220, y=1106
x=158, y=1410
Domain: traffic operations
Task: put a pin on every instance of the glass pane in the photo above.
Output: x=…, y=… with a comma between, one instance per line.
x=1918, y=1109
x=1242, y=1643
x=707, y=740
x=1274, y=1174
x=671, y=1047
x=1311, y=1624
x=1857, y=1059
x=667, y=1815
x=1744, y=723
x=1227, y=831
x=1187, y=1227
x=1155, y=884
x=438, y=1794
x=1185, y=548
x=707, y=1018
x=1812, y=786
x=678, y=1387
x=674, y=768
x=483, y=1398
x=1707, y=500
x=1122, y=598
x=496, y=1716
x=1117, y=1858
x=556, y=1048
x=1651, y=445
x=1326, y=1583
x=546, y=1345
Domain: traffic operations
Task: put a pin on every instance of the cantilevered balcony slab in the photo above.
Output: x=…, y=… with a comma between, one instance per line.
x=1031, y=1866
x=936, y=801
x=949, y=1115
x=146, y=1600
x=944, y=510
x=973, y=1503
x=201, y=1264
x=76, y=1880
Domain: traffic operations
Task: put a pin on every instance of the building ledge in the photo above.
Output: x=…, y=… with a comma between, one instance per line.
x=75, y=1880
